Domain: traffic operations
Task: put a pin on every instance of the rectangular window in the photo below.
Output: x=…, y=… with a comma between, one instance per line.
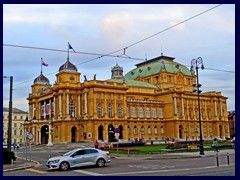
x=72, y=109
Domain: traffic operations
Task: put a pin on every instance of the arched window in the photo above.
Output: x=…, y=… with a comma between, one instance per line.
x=134, y=112
x=160, y=113
x=155, y=130
x=128, y=130
x=147, y=112
x=99, y=110
x=119, y=111
x=142, y=130
x=162, y=129
x=72, y=109
x=154, y=114
x=140, y=112
x=135, y=130
x=149, y=130
x=128, y=114
x=109, y=110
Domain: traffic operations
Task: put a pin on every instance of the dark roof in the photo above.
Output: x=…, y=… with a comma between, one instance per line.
x=15, y=110
x=155, y=59
x=68, y=66
x=41, y=79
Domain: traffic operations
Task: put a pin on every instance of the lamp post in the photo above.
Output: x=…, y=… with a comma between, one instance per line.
x=195, y=64
x=9, y=140
x=50, y=133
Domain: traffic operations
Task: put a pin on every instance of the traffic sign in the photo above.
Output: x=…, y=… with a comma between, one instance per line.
x=30, y=136
x=116, y=134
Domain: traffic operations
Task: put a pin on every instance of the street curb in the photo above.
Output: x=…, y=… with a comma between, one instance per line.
x=23, y=167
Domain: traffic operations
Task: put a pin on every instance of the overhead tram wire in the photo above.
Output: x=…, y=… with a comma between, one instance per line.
x=109, y=54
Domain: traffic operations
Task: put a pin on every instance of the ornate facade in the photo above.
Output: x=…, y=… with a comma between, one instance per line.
x=153, y=101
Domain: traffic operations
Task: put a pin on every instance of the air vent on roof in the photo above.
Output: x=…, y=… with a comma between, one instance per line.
x=149, y=68
x=140, y=70
x=132, y=73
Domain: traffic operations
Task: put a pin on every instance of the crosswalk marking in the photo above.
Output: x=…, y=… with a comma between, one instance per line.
x=36, y=171
x=88, y=173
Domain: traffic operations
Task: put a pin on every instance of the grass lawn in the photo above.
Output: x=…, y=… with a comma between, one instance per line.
x=155, y=149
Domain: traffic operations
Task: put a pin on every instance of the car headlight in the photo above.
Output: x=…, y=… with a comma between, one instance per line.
x=54, y=161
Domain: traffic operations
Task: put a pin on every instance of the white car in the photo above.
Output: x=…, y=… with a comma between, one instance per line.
x=79, y=157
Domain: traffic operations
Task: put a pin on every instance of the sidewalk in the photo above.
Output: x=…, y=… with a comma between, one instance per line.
x=20, y=163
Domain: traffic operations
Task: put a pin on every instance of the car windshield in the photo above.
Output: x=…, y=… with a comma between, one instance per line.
x=69, y=153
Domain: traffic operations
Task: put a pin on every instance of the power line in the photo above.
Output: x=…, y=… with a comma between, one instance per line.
x=119, y=56
x=78, y=52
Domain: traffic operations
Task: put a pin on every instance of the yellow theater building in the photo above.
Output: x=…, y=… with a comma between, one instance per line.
x=155, y=100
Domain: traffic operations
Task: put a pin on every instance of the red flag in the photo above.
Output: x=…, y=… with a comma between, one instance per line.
x=43, y=63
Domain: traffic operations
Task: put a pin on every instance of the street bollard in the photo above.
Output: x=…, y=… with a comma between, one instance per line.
x=228, y=159
x=128, y=152
x=217, y=160
x=12, y=163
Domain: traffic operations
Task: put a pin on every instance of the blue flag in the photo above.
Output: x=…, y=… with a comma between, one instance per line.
x=70, y=47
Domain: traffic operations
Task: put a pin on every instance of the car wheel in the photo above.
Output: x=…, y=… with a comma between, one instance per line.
x=100, y=163
x=64, y=166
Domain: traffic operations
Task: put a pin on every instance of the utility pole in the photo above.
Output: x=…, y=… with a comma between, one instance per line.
x=9, y=140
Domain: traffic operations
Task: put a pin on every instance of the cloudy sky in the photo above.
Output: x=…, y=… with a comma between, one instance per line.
x=102, y=29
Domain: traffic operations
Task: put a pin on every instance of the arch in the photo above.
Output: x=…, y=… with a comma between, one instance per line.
x=100, y=132
x=44, y=134
x=180, y=131
x=73, y=132
x=120, y=132
x=111, y=135
x=220, y=131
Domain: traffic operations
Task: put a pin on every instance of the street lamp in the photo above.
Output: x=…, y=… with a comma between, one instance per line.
x=9, y=140
x=194, y=64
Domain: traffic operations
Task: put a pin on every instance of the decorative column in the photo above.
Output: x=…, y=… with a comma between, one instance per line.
x=221, y=114
x=85, y=103
x=39, y=136
x=44, y=110
x=33, y=132
x=215, y=107
x=60, y=104
x=182, y=106
x=50, y=134
x=39, y=110
x=33, y=110
x=175, y=105
x=50, y=108
x=67, y=104
x=54, y=110
x=79, y=105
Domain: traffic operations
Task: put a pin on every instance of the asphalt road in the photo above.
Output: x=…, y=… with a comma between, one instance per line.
x=134, y=166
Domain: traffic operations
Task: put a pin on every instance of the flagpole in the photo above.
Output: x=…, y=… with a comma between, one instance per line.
x=41, y=65
x=68, y=52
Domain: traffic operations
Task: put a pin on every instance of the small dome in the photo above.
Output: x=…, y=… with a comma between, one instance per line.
x=117, y=71
x=41, y=79
x=68, y=66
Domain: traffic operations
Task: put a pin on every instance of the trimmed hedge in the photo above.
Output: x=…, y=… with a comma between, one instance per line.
x=8, y=156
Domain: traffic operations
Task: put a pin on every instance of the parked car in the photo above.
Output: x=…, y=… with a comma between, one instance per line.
x=79, y=157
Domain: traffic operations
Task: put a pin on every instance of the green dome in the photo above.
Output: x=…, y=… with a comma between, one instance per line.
x=156, y=65
x=133, y=83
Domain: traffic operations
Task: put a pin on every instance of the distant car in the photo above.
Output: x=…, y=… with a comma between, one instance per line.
x=79, y=157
